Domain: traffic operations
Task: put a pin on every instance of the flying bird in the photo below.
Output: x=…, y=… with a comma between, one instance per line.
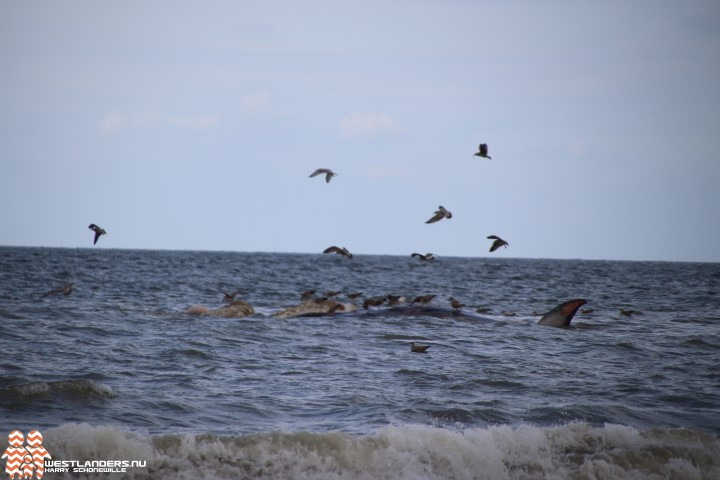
x=418, y=348
x=98, y=231
x=483, y=151
x=499, y=242
x=340, y=251
x=328, y=173
x=424, y=258
x=441, y=213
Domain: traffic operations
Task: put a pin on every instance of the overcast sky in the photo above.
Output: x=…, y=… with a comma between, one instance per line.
x=195, y=125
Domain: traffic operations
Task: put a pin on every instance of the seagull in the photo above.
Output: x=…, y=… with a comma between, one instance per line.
x=483, y=151
x=424, y=258
x=455, y=304
x=373, y=302
x=422, y=299
x=307, y=295
x=441, y=213
x=499, y=242
x=395, y=300
x=340, y=251
x=328, y=173
x=418, y=348
x=98, y=231
x=229, y=297
x=65, y=290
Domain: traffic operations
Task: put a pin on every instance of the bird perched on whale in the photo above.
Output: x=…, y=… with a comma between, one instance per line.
x=440, y=213
x=499, y=242
x=340, y=251
x=455, y=304
x=328, y=174
x=423, y=299
x=98, y=231
x=483, y=151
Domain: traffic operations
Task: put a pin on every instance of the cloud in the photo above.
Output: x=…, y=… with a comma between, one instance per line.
x=206, y=122
x=369, y=124
x=262, y=103
x=115, y=122
x=112, y=122
x=255, y=103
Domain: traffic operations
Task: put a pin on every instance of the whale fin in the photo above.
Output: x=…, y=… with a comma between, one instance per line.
x=562, y=315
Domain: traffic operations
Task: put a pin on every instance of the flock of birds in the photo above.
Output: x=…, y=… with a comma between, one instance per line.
x=439, y=214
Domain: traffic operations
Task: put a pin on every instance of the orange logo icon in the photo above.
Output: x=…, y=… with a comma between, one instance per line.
x=25, y=461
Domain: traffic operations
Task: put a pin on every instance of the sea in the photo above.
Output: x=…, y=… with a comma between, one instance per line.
x=121, y=382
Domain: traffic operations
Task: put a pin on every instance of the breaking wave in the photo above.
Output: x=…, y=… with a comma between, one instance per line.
x=574, y=450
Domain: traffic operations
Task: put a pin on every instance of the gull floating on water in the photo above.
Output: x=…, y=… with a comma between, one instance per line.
x=328, y=173
x=340, y=251
x=440, y=213
x=483, y=151
x=98, y=231
x=418, y=348
x=65, y=290
x=499, y=242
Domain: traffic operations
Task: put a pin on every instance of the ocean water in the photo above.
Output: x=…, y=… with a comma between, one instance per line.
x=117, y=370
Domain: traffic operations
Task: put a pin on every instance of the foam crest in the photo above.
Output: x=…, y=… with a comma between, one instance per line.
x=68, y=388
x=575, y=450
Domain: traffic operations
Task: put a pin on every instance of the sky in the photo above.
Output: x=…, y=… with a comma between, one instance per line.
x=196, y=125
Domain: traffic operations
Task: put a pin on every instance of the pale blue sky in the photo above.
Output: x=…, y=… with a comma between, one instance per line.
x=195, y=125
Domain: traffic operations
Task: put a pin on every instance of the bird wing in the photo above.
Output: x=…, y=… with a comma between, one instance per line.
x=328, y=176
x=332, y=249
x=438, y=215
x=318, y=171
x=97, y=235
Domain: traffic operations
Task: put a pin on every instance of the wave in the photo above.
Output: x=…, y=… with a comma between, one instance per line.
x=26, y=393
x=574, y=450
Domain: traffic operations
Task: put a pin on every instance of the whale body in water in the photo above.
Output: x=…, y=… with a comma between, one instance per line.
x=562, y=315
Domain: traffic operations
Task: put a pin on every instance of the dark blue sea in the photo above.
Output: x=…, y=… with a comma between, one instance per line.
x=117, y=370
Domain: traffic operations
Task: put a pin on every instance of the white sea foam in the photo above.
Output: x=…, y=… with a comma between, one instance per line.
x=575, y=450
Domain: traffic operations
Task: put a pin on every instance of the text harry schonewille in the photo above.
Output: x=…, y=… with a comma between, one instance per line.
x=93, y=466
